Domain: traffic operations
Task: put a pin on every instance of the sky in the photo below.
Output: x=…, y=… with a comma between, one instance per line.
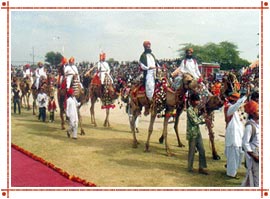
x=120, y=34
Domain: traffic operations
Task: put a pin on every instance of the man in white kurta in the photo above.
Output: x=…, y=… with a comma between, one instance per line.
x=234, y=135
x=251, y=145
x=27, y=73
x=40, y=72
x=148, y=65
x=103, y=68
x=72, y=114
x=188, y=65
x=70, y=71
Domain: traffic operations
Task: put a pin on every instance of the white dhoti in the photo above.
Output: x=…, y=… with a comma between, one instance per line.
x=150, y=84
x=234, y=157
x=69, y=79
x=73, y=128
x=37, y=82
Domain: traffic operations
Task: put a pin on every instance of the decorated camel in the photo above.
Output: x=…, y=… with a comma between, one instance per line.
x=166, y=99
x=106, y=93
x=81, y=95
x=25, y=85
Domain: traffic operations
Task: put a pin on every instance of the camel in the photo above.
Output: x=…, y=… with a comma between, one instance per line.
x=106, y=93
x=25, y=84
x=81, y=96
x=173, y=100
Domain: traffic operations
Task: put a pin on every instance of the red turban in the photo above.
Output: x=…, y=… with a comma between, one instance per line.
x=70, y=91
x=145, y=43
x=27, y=65
x=71, y=60
x=251, y=107
x=63, y=61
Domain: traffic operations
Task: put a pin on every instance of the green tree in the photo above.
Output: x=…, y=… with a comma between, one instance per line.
x=53, y=58
x=225, y=53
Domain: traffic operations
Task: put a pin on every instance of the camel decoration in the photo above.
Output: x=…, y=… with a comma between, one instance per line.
x=81, y=95
x=25, y=85
x=172, y=100
x=106, y=93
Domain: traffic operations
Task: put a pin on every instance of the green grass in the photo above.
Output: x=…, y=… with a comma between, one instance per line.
x=105, y=156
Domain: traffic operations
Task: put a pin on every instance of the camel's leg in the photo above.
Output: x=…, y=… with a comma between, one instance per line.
x=28, y=104
x=80, y=122
x=34, y=107
x=212, y=139
x=92, y=111
x=176, y=122
x=165, y=133
x=106, y=122
x=62, y=119
x=132, y=126
x=150, y=130
x=21, y=101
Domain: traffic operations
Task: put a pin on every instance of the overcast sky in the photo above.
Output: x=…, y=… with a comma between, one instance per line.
x=120, y=34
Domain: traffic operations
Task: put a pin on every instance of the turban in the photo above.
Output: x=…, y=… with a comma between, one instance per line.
x=145, y=43
x=102, y=56
x=251, y=107
x=234, y=96
x=27, y=65
x=39, y=64
x=71, y=60
x=70, y=91
x=189, y=49
x=63, y=61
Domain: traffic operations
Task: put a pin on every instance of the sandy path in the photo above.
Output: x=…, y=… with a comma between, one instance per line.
x=118, y=116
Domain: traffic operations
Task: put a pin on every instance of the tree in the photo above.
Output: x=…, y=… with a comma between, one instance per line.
x=225, y=53
x=53, y=58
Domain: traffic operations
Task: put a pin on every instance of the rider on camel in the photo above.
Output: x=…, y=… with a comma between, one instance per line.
x=71, y=72
x=103, y=68
x=61, y=74
x=40, y=73
x=148, y=64
x=27, y=73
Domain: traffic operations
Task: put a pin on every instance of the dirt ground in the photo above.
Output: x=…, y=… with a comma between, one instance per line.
x=119, y=116
x=105, y=156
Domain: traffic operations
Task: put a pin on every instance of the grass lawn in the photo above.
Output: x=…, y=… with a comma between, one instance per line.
x=105, y=156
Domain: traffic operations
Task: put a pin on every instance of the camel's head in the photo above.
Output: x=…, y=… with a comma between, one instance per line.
x=214, y=103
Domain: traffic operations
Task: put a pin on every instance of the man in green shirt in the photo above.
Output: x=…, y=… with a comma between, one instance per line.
x=194, y=136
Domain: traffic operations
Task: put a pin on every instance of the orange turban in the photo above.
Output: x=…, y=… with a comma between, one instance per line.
x=39, y=64
x=251, y=107
x=102, y=56
x=145, y=43
x=234, y=96
x=71, y=60
x=63, y=61
x=190, y=49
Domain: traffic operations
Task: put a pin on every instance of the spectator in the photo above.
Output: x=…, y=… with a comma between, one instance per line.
x=234, y=134
x=16, y=98
x=194, y=136
x=42, y=99
x=251, y=145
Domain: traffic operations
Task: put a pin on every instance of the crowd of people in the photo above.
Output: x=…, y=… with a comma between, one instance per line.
x=240, y=139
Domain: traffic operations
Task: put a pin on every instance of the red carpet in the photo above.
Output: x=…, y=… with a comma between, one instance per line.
x=27, y=172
